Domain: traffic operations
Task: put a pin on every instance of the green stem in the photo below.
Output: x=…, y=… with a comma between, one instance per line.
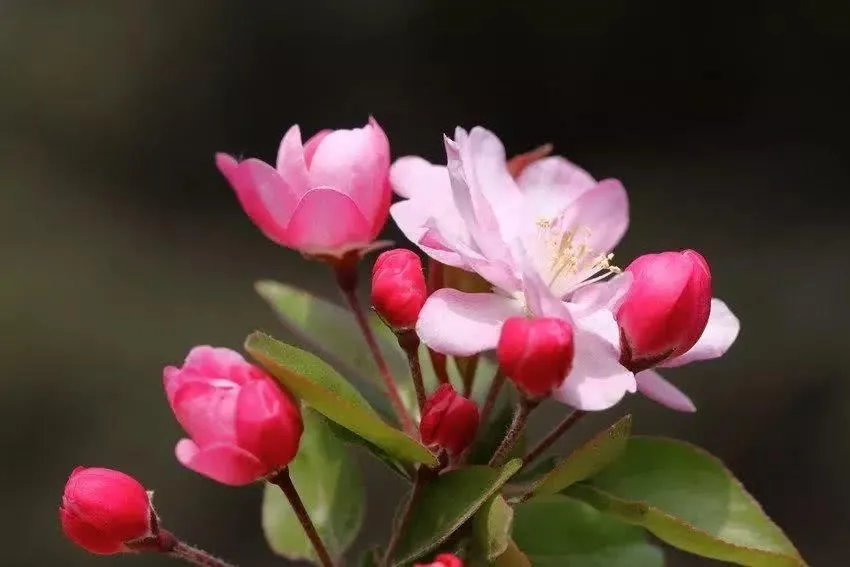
x=553, y=436
x=347, y=286
x=492, y=396
x=407, y=512
x=284, y=481
x=523, y=410
x=409, y=342
x=167, y=543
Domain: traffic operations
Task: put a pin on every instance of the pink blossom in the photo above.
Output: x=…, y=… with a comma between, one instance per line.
x=549, y=233
x=473, y=214
x=242, y=426
x=329, y=196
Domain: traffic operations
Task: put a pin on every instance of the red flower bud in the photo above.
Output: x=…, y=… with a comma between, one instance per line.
x=443, y=560
x=665, y=309
x=241, y=425
x=448, y=420
x=536, y=354
x=103, y=509
x=398, y=288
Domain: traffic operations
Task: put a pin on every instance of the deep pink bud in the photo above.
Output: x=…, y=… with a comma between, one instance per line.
x=666, y=308
x=536, y=354
x=398, y=287
x=448, y=420
x=103, y=509
x=328, y=196
x=443, y=560
x=242, y=425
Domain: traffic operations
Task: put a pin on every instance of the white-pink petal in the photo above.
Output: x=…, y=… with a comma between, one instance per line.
x=601, y=213
x=462, y=324
x=652, y=385
x=414, y=221
x=413, y=177
x=551, y=184
x=720, y=332
x=597, y=380
x=606, y=294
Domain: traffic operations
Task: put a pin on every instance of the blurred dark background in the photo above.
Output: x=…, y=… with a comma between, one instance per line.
x=123, y=247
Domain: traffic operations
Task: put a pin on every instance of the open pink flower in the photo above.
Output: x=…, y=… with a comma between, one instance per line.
x=329, y=196
x=242, y=425
x=548, y=234
x=473, y=214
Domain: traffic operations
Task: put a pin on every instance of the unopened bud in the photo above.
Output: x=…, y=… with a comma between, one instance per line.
x=104, y=510
x=665, y=309
x=449, y=420
x=398, y=288
x=443, y=560
x=536, y=354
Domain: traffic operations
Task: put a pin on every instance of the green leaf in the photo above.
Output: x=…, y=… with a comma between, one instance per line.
x=535, y=470
x=445, y=503
x=491, y=526
x=512, y=557
x=329, y=483
x=687, y=498
x=557, y=531
x=322, y=388
x=586, y=461
x=395, y=466
x=333, y=330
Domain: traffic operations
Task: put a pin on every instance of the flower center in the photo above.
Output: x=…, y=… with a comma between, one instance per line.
x=571, y=255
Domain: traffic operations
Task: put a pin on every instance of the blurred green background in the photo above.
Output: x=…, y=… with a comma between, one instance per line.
x=123, y=247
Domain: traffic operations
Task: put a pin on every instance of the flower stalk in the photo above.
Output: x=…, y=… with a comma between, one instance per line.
x=523, y=410
x=283, y=480
x=422, y=475
x=346, y=277
x=492, y=396
x=553, y=436
x=195, y=556
x=409, y=343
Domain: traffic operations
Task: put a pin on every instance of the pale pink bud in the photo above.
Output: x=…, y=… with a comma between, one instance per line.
x=329, y=196
x=665, y=309
x=103, y=510
x=398, y=288
x=443, y=560
x=449, y=420
x=242, y=425
x=536, y=354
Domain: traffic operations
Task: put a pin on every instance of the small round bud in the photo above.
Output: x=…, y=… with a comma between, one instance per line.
x=449, y=420
x=536, y=354
x=443, y=560
x=398, y=288
x=103, y=510
x=665, y=309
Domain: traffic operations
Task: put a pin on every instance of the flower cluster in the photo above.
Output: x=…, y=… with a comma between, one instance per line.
x=520, y=263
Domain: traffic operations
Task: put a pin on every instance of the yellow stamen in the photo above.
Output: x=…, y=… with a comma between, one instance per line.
x=571, y=254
